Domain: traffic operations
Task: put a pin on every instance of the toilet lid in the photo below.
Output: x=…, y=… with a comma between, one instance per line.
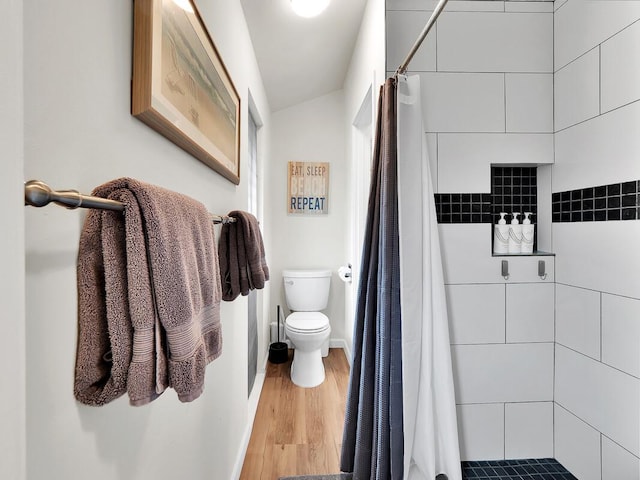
x=307, y=321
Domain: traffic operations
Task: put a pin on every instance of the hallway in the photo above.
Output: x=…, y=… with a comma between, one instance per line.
x=298, y=431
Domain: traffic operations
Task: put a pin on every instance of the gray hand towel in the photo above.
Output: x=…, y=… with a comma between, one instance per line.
x=169, y=296
x=105, y=334
x=243, y=265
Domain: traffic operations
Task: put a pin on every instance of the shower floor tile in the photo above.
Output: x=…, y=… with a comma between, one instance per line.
x=528, y=469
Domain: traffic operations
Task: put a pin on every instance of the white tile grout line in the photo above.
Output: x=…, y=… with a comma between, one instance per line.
x=600, y=79
x=504, y=432
x=594, y=428
x=600, y=455
x=596, y=360
x=505, y=313
x=553, y=86
x=581, y=288
x=553, y=376
x=437, y=186
x=504, y=87
x=600, y=305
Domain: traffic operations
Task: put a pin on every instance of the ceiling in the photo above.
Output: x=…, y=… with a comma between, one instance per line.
x=302, y=58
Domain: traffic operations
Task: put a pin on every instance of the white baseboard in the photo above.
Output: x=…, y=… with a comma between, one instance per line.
x=341, y=343
x=252, y=407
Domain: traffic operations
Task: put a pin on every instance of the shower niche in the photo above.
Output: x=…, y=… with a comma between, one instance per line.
x=519, y=189
x=467, y=222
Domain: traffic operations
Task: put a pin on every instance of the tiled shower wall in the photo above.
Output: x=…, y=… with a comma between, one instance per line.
x=526, y=386
x=597, y=123
x=487, y=90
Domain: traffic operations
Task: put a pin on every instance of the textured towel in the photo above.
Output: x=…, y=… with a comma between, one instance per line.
x=149, y=296
x=243, y=266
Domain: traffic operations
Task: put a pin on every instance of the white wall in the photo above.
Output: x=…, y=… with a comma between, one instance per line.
x=12, y=342
x=486, y=73
x=78, y=134
x=365, y=74
x=309, y=132
x=597, y=112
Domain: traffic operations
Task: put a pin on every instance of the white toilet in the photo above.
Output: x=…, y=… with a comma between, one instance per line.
x=307, y=292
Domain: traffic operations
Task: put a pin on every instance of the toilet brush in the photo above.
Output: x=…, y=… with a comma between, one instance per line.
x=278, y=351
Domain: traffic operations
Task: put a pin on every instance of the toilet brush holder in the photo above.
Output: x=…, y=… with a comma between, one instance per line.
x=278, y=351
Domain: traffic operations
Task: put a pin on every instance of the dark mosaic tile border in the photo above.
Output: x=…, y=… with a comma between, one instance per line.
x=526, y=469
x=618, y=201
x=513, y=189
x=463, y=207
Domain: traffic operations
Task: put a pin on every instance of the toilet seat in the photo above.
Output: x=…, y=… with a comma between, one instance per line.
x=307, y=322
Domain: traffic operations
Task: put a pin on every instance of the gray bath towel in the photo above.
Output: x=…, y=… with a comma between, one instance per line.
x=243, y=265
x=149, y=296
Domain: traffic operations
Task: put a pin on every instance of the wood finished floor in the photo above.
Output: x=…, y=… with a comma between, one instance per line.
x=298, y=431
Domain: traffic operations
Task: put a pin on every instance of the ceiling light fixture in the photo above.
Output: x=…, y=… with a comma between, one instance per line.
x=309, y=8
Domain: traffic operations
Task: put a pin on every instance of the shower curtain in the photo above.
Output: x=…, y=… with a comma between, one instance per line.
x=400, y=420
x=372, y=441
x=430, y=426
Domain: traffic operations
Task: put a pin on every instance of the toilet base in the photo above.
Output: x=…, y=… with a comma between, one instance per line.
x=307, y=369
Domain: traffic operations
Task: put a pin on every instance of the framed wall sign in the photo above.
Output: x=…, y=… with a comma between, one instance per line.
x=181, y=87
x=308, y=188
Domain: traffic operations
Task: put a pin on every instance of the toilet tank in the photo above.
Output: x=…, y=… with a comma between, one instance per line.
x=306, y=290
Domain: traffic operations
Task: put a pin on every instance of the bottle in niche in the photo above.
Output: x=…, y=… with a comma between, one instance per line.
x=528, y=230
x=501, y=236
x=515, y=235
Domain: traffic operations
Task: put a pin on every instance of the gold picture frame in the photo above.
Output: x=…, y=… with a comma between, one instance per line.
x=181, y=87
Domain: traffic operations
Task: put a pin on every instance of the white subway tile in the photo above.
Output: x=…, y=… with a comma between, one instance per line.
x=429, y=5
x=495, y=42
x=474, y=153
x=579, y=26
x=615, y=268
x=476, y=313
x=457, y=6
x=577, y=91
x=530, y=311
x=531, y=7
x=463, y=102
x=466, y=254
x=481, y=431
x=578, y=319
x=466, y=258
x=621, y=333
x=503, y=373
x=599, y=151
x=620, y=70
x=403, y=28
x=558, y=3
x=529, y=430
x=577, y=445
x=603, y=397
x=617, y=463
x=432, y=149
x=475, y=6
x=529, y=102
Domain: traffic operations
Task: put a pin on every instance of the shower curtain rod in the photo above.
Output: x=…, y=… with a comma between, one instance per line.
x=39, y=194
x=432, y=20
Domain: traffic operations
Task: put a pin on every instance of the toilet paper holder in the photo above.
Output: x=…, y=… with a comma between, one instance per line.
x=345, y=273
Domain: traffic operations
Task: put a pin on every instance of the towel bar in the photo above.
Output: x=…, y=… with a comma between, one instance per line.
x=39, y=194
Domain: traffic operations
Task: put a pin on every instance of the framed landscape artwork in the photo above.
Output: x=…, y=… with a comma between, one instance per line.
x=181, y=87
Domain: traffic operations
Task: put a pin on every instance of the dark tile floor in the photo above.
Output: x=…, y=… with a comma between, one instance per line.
x=528, y=469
